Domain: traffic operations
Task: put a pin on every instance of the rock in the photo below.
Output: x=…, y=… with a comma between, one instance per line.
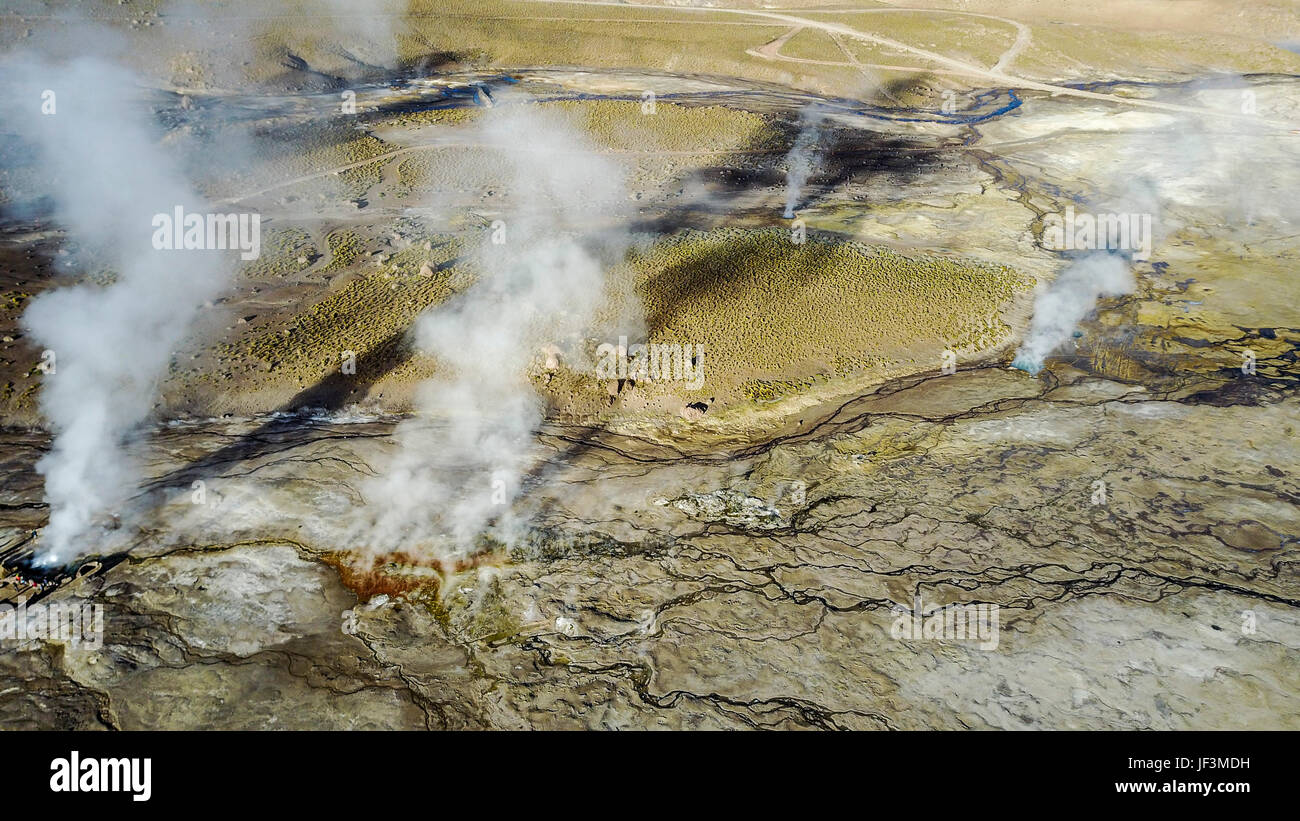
x=552, y=354
x=695, y=410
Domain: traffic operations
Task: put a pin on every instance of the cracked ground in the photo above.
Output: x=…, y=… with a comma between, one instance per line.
x=662, y=588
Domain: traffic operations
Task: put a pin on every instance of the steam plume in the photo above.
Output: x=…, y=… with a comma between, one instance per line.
x=803, y=156
x=111, y=343
x=1183, y=169
x=1070, y=297
x=463, y=456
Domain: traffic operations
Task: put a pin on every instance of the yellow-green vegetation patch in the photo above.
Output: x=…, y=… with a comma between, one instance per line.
x=331, y=146
x=777, y=318
x=770, y=390
x=434, y=116
x=15, y=301
x=187, y=70
x=813, y=44
x=104, y=277
x=282, y=248
x=368, y=316
x=312, y=150
x=488, y=617
x=357, y=181
x=345, y=249
x=846, y=365
x=336, y=147
x=413, y=173
x=977, y=40
x=622, y=125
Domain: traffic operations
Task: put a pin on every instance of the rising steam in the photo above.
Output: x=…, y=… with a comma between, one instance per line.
x=803, y=156
x=1070, y=298
x=108, y=178
x=1181, y=170
x=462, y=458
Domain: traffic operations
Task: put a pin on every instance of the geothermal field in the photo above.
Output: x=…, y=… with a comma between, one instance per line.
x=528, y=364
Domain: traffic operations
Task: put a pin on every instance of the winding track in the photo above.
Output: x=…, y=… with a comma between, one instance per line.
x=772, y=49
x=996, y=75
